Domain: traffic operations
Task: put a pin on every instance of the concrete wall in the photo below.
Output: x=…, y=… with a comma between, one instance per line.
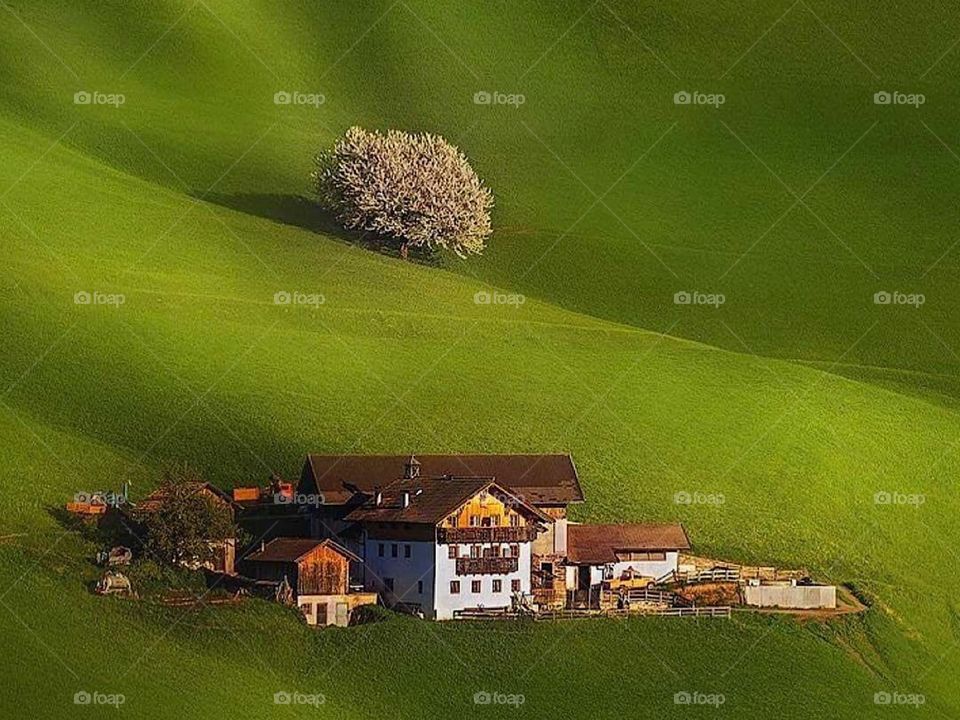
x=791, y=596
x=308, y=605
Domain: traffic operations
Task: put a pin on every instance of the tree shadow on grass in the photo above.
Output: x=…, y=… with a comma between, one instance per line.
x=304, y=213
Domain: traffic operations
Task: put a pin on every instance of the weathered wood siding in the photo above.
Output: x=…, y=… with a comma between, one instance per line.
x=323, y=572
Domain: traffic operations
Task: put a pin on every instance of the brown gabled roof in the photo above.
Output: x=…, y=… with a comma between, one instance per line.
x=152, y=501
x=433, y=499
x=288, y=549
x=599, y=544
x=537, y=479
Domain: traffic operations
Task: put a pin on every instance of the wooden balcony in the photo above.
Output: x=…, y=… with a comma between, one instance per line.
x=486, y=566
x=467, y=536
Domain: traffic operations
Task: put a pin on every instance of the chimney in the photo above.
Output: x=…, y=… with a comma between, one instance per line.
x=406, y=499
x=263, y=545
x=411, y=468
x=377, y=497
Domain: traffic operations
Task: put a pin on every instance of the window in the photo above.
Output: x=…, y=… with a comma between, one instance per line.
x=454, y=587
x=643, y=556
x=498, y=586
x=514, y=520
x=388, y=584
x=406, y=551
x=307, y=608
x=393, y=550
x=453, y=552
x=475, y=551
x=380, y=550
x=474, y=521
x=546, y=574
x=419, y=587
x=486, y=522
x=514, y=551
x=475, y=587
x=514, y=586
x=496, y=521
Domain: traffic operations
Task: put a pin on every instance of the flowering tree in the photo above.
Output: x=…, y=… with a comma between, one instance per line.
x=415, y=189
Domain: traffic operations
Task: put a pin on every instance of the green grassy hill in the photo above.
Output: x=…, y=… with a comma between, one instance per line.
x=184, y=200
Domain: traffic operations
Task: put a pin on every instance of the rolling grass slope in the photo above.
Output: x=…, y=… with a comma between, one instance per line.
x=704, y=199
x=171, y=201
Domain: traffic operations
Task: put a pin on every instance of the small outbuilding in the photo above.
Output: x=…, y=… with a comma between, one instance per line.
x=601, y=559
x=318, y=573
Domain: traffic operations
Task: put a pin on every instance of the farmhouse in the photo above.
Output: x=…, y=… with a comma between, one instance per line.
x=548, y=483
x=317, y=572
x=439, y=546
x=443, y=534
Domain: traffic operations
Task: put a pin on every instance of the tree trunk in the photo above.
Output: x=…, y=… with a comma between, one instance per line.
x=405, y=251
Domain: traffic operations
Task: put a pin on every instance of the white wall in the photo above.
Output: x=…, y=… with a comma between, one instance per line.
x=405, y=571
x=446, y=603
x=649, y=568
x=553, y=540
x=791, y=596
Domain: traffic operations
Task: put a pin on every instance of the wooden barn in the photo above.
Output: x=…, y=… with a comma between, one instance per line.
x=317, y=571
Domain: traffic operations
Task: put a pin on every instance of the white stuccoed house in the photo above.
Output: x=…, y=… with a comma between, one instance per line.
x=443, y=545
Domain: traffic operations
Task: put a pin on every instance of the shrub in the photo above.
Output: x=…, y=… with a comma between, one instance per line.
x=414, y=189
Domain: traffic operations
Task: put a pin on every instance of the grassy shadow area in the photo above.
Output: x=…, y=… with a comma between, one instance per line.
x=302, y=212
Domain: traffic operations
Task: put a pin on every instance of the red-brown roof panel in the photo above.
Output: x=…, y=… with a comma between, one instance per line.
x=536, y=479
x=599, y=544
